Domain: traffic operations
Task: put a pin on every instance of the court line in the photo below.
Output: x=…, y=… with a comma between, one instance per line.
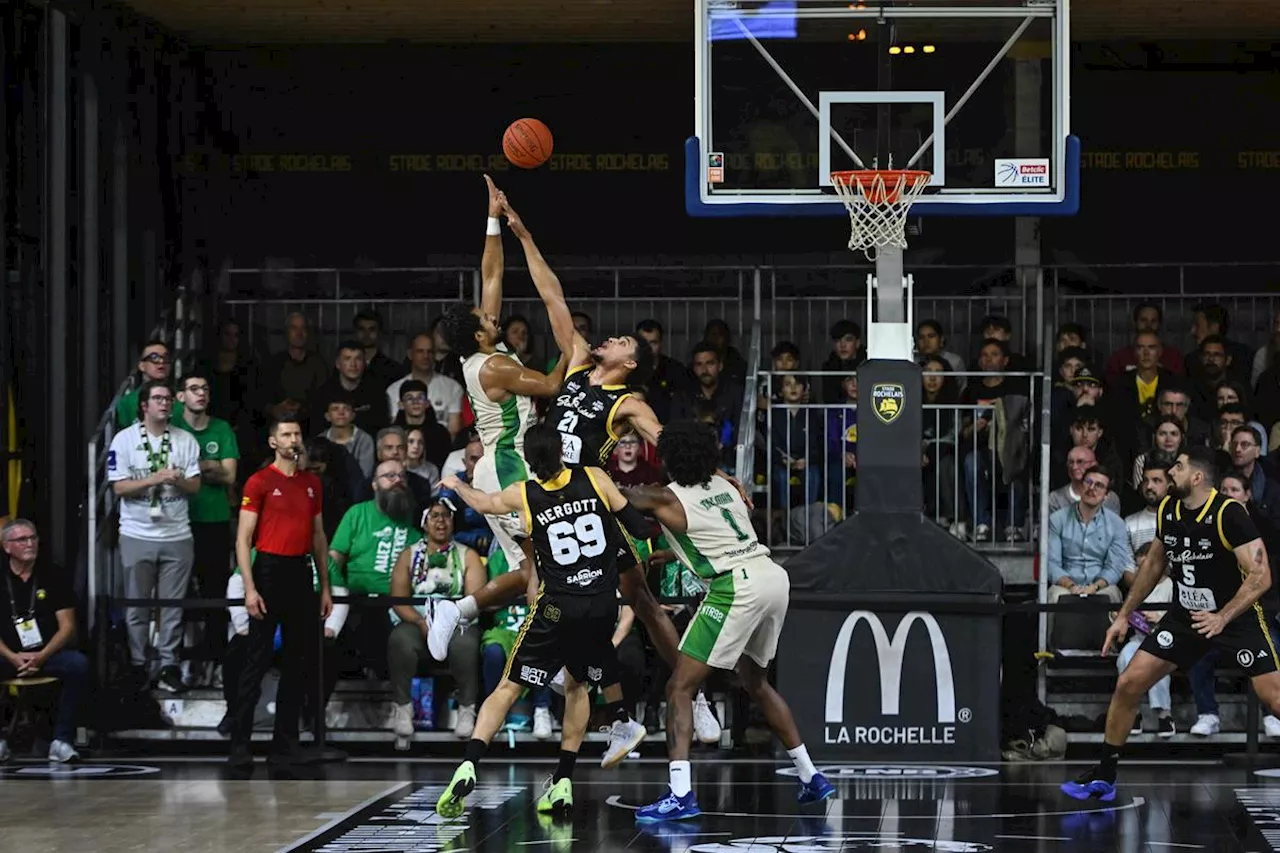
x=348, y=814
x=1034, y=837
x=1171, y=844
x=615, y=800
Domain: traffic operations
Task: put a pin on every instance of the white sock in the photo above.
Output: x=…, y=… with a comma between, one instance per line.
x=468, y=608
x=800, y=757
x=681, y=778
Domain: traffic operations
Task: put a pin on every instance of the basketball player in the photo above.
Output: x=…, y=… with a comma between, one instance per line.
x=592, y=409
x=499, y=387
x=1220, y=568
x=579, y=548
x=737, y=627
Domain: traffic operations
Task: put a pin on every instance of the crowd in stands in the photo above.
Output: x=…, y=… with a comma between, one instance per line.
x=385, y=428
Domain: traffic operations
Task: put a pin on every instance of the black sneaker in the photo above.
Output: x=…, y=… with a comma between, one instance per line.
x=1137, y=725
x=224, y=725
x=170, y=680
x=1165, y=727
x=241, y=759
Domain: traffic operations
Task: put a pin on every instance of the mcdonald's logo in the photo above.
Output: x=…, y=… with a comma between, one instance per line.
x=890, y=658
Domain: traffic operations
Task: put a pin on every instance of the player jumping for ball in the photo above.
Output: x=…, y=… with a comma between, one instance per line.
x=738, y=624
x=1221, y=571
x=592, y=409
x=499, y=388
x=572, y=517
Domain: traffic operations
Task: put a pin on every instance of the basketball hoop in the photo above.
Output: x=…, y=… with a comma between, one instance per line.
x=878, y=201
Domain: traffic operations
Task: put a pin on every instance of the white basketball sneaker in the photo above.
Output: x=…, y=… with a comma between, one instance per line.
x=402, y=725
x=706, y=728
x=445, y=617
x=623, y=739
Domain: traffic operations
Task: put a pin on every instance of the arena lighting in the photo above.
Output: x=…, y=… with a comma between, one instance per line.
x=908, y=49
x=860, y=35
x=928, y=48
x=895, y=50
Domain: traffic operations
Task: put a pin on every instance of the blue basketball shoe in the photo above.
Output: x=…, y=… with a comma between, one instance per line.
x=815, y=790
x=1089, y=786
x=670, y=807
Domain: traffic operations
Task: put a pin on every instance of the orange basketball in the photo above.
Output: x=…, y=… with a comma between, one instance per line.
x=527, y=143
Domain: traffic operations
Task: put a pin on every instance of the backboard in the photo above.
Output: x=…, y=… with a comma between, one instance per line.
x=975, y=91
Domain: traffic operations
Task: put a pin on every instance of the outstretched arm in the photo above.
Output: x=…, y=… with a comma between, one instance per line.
x=640, y=416
x=491, y=262
x=661, y=503
x=510, y=499
x=548, y=284
x=510, y=376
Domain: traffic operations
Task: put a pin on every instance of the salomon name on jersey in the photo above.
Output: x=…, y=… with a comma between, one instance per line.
x=583, y=414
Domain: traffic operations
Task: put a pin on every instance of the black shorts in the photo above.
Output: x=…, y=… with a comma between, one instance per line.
x=1248, y=639
x=570, y=631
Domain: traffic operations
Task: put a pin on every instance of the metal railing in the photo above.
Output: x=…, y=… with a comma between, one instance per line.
x=798, y=303
x=968, y=488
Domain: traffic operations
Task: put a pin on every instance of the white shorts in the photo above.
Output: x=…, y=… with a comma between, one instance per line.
x=508, y=530
x=742, y=614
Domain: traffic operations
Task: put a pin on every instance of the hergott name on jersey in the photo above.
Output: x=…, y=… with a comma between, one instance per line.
x=567, y=509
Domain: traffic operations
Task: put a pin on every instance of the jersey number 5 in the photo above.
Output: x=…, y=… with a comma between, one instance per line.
x=1188, y=574
x=571, y=541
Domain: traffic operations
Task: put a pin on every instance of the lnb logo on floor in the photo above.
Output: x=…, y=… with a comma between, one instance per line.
x=890, y=657
x=915, y=772
x=405, y=822
x=837, y=842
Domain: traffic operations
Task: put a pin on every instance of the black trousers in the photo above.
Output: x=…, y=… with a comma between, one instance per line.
x=212, y=542
x=287, y=591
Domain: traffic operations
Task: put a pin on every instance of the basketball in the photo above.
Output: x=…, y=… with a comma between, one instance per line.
x=527, y=143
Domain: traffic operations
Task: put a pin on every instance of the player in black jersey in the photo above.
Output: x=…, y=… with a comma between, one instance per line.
x=1220, y=571
x=572, y=517
x=592, y=409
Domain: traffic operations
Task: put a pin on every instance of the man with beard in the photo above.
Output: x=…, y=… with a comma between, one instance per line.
x=369, y=540
x=1220, y=571
x=1215, y=364
x=1142, y=524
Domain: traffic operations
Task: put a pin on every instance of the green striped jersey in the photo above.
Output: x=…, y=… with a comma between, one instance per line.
x=501, y=425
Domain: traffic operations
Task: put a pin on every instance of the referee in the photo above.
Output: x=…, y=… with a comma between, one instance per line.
x=280, y=517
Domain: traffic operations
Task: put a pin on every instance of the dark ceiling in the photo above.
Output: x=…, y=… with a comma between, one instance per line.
x=518, y=21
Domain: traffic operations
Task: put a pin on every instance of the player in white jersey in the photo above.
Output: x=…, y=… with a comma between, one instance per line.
x=498, y=385
x=737, y=627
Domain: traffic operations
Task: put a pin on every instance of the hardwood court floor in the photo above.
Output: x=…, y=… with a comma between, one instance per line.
x=381, y=806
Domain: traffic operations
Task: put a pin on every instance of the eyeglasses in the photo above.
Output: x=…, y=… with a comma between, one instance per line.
x=391, y=475
x=164, y=398
x=24, y=540
x=1101, y=485
x=156, y=358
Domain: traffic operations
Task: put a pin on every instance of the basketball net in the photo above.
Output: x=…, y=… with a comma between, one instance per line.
x=878, y=201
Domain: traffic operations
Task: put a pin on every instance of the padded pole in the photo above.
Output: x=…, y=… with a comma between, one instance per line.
x=890, y=299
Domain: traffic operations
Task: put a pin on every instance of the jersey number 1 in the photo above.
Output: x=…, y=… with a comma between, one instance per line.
x=732, y=522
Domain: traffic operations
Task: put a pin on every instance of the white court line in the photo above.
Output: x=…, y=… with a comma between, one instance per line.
x=292, y=845
x=615, y=800
x=1034, y=837
x=1171, y=844
x=547, y=841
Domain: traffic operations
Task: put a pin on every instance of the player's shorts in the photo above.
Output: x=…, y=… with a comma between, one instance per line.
x=742, y=614
x=489, y=476
x=570, y=631
x=1247, y=639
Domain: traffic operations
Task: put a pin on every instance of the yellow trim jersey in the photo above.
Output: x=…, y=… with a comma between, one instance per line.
x=584, y=416
x=1200, y=547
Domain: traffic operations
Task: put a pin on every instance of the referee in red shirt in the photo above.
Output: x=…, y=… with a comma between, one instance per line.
x=280, y=517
